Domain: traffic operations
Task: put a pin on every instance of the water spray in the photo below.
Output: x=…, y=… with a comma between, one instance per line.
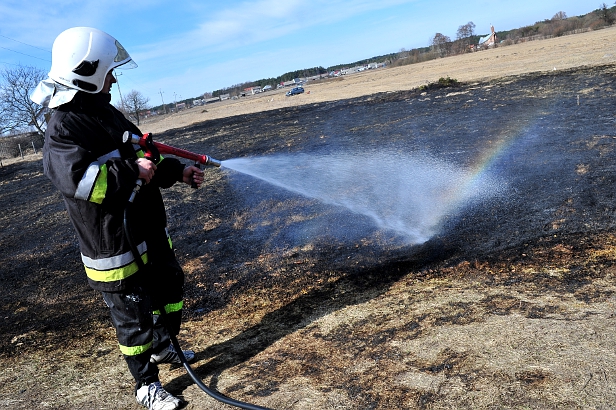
x=407, y=194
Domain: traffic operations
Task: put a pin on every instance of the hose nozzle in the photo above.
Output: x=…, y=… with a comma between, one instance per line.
x=213, y=162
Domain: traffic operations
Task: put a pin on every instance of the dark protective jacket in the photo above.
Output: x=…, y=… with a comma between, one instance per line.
x=85, y=158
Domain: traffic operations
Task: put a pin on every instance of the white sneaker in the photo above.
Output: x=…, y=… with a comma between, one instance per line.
x=169, y=355
x=154, y=397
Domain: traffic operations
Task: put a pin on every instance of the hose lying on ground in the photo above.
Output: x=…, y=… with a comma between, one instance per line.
x=213, y=393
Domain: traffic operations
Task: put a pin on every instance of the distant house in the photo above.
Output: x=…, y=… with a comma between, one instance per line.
x=251, y=90
x=355, y=69
x=489, y=40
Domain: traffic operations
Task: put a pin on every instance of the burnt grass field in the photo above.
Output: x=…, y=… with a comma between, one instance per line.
x=291, y=303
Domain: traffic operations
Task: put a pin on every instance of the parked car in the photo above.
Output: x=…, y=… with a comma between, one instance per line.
x=296, y=90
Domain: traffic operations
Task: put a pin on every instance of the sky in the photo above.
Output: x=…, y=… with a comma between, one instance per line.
x=186, y=48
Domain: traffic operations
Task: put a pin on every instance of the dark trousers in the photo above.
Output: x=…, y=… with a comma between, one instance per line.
x=137, y=327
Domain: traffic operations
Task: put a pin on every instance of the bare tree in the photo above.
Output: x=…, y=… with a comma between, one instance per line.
x=134, y=103
x=17, y=111
x=561, y=15
x=464, y=34
x=606, y=14
x=441, y=44
x=4, y=124
x=465, y=31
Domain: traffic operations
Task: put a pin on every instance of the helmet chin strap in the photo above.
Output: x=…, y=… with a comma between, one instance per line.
x=109, y=80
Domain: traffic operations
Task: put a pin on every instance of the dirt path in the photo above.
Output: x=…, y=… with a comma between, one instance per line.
x=293, y=304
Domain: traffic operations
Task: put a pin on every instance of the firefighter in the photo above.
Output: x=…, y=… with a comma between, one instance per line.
x=86, y=159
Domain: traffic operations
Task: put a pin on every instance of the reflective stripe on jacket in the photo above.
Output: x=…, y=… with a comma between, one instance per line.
x=93, y=185
x=85, y=158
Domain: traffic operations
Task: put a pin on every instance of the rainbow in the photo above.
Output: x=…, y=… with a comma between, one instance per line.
x=479, y=169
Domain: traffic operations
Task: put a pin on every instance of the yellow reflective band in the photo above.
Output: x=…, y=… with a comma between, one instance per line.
x=100, y=186
x=112, y=275
x=141, y=154
x=174, y=307
x=171, y=307
x=169, y=238
x=135, y=350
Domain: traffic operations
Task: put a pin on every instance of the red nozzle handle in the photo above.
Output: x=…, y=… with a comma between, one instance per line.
x=167, y=149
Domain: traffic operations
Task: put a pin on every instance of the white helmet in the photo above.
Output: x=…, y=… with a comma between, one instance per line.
x=81, y=57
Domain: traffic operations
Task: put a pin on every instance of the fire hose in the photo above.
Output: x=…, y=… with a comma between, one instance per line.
x=153, y=150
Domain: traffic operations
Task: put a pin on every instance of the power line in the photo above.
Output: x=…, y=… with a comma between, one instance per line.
x=30, y=45
x=4, y=62
x=28, y=55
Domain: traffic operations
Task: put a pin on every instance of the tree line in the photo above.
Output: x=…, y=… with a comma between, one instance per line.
x=442, y=46
x=560, y=24
x=19, y=114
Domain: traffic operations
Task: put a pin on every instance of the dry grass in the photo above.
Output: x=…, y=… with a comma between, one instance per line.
x=560, y=53
x=533, y=329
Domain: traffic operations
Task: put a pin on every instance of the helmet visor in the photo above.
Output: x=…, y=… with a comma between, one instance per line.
x=122, y=59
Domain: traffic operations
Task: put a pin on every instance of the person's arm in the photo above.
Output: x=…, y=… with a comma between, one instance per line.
x=79, y=174
x=171, y=170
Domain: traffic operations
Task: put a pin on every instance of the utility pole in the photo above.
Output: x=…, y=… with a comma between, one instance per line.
x=117, y=74
x=175, y=101
x=161, y=98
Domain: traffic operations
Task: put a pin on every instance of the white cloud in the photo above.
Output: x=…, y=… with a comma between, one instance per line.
x=250, y=23
x=38, y=22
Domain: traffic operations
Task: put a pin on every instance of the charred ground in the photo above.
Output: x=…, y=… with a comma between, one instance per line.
x=294, y=304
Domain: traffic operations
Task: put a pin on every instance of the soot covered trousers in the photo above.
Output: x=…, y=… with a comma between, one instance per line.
x=139, y=329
